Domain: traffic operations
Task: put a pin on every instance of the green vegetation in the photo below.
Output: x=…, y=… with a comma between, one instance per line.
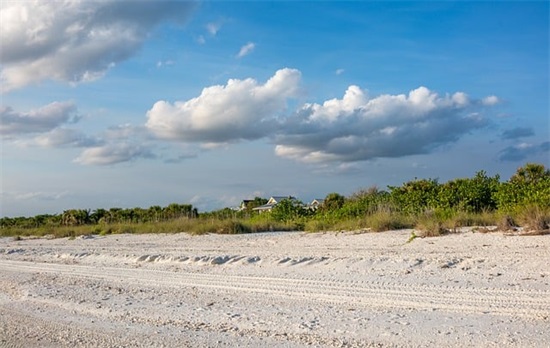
x=428, y=206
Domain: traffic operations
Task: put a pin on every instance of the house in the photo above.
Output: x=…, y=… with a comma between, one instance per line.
x=315, y=204
x=272, y=202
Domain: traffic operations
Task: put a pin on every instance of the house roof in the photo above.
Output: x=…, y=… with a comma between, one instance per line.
x=277, y=199
x=273, y=200
x=264, y=207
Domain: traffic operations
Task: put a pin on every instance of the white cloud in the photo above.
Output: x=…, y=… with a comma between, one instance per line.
x=242, y=109
x=39, y=195
x=339, y=71
x=246, y=49
x=332, y=109
x=213, y=27
x=127, y=131
x=63, y=137
x=112, y=154
x=73, y=40
x=353, y=128
x=490, y=100
x=118, y=144
x=162, y=63
x=461, y=99
x=38, y=120
x=358, y=128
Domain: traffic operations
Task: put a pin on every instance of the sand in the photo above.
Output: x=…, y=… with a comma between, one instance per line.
x=281, y=289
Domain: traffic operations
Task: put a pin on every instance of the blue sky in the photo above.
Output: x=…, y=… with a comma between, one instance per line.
x=140, y=103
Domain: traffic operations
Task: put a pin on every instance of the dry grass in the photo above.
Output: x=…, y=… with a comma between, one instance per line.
x=431, y=224
x=386, y=221
x=534, y=218
x=430, y=228
x=506, y=223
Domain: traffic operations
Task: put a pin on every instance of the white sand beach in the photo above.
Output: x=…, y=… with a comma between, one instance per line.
x=281, y=289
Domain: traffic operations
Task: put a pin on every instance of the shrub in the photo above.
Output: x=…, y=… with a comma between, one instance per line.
x=416, y=196
x=470, y=195
x=361, y=203
x=332, y=202
x=288, y=210
x=530, y=185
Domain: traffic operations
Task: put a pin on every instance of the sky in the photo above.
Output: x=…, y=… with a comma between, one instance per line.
x=115, y=103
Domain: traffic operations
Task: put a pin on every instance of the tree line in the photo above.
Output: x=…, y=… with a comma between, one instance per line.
x=528, y=188
x=79, y=217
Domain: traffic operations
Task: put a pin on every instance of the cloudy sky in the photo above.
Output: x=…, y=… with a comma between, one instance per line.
x=139, y=103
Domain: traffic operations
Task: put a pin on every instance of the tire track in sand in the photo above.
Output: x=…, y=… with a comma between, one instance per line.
x=534, y=304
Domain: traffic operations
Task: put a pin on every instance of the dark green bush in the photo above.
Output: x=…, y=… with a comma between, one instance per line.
x=415, y=197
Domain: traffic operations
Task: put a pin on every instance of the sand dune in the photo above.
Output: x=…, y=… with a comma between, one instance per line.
x=277, y=290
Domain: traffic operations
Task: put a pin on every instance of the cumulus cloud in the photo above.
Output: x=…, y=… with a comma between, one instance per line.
x=358, y=128
x=522, y=151
x=112, y=154
x=246, y=49
x=355, y=128
x=242, y=109
x=74, y=40
x=339, y=71
x=38, y=120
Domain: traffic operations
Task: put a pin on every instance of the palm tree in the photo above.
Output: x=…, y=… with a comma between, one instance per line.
x=75, y=217
x=530, y=173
